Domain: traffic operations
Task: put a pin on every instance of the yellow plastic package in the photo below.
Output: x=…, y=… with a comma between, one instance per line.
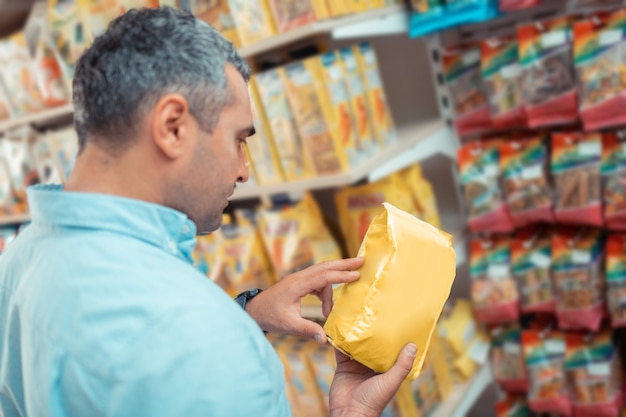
x=408, y=272
x=422, y=193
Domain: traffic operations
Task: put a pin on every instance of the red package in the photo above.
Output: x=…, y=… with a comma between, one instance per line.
x=615, y=271
x=577, y=278
x=480, y=174
x=502, y=77
x=509, y=5
x=493, y=289
x=464, y=79
x=614, y=180
x=576, y=171
x=548, y=79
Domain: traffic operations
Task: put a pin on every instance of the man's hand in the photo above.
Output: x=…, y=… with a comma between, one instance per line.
x=357, y=391
x=277, y=309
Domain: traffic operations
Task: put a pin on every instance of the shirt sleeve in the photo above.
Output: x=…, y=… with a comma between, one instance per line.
x=196, y=364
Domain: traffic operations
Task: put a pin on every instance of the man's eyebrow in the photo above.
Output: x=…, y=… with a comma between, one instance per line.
x=248, y=131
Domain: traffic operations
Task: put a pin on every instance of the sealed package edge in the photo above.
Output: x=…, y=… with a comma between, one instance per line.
x=406, y=279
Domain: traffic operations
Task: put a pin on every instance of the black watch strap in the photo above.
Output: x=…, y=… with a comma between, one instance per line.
x=243, y=298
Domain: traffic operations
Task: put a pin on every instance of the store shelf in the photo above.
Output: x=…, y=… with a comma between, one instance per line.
x=14, y=220
x=408, y=137
x=463, y=397
x=385, y=20
x=45, y=117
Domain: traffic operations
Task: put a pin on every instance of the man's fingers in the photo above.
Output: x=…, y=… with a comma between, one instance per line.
x=321, y=279
x=399, y=371
x=340, y=264
x=326, y=295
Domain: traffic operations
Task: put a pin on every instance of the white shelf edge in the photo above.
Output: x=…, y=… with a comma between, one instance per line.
x=463, y=397
x=40, y=117
x=408, y=136
x=14, y=219
x=317, y=28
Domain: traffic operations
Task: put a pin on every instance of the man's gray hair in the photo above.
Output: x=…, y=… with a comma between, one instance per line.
x=143, y=55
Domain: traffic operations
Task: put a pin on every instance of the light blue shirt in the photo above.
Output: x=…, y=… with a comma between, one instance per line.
x=103, y=314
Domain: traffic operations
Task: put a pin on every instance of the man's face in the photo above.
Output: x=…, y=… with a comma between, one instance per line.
x=218, y=160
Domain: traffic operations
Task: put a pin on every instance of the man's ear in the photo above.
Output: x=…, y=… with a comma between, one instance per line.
x=172, y=125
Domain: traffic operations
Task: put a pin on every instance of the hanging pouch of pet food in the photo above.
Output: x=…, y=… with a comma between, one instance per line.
x=577, y=278
x=548, y=80
x=614, y=180
x=464, y=79
x=408, y=272
x=502, y=77
x=506, y=358
x=601, y=69
x=576, y=171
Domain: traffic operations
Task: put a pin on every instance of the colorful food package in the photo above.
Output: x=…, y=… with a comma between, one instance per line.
x=272, y=92
x=357, y=206
x=593, y=372
x=291, y=14
x=510, y=5
x=475, y=356
x=320, y=145
x=323, y=364
x=544, y=354
x=531, y=257
x=96, y=15
x=601, y=69
x=52, y=84
x=210, y=258
x=6, y=112
x=525, y=171
x=613, y=171
x=576, y=171
x=441, y=365
x=21, y=167
x=358, y=103
x=464, y=79
x=503, y=82
x=67, y=33
x=494, y=292
x=424, y=390
x=17, y=75
x=64, y=146
x=372, y=325
x=253, y=20
x=382, y=121
x=47, y=169
x=507, y=360
x=615, y=269
x=479, y=169
x=428, y=6
x=218, y=14
x=422, y=194
x=548, y=79
x=513, y=406
x=263, y=156
x=577, y=278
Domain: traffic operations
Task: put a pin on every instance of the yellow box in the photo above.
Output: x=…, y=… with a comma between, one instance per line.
x=321, y=147
x=377, y=101
x=263, y=156
x=422, y=193
x=362, y=115
x=253, y=20
x=217, y=13
x=335, y=101
x=271, y=87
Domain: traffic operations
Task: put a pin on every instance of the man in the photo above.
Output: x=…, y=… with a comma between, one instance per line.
x=101, y=311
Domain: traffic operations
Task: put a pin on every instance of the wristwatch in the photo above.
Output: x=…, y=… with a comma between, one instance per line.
x=243, y=298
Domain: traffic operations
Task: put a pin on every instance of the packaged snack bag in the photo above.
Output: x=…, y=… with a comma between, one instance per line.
x=616, y=278
x=272, y=92
x=531, y=251
x=507, y=360
x=67, y=33
x=475, y=356
x=577, y=278
x=210, y=258
x=253, y=20
x=525, y=165
x=502, y=77
x=422, y=194
x=263, y=155
x=576, y=171
x=613, y=171
x=375, y=317
x=64, y=146
x=17, y=75
x=290, y=14
x=513, y=406
x=601, y=69
x=441, y=366
x=593, y=371
x=47, y=169
x=323, y=151
x=50, y=79
x=358, y=103
x=382, y=120
x=479, y=168
x=544, y=354
x=494, y=293
x=322, y=360
x=21, y=167
x=548, y=79
x=424, y=391
x=96, y=15
x=464, y=79
x=218, y=14
x=509, y=5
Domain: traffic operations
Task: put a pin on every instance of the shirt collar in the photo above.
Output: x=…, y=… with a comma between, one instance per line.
x=158, y=225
